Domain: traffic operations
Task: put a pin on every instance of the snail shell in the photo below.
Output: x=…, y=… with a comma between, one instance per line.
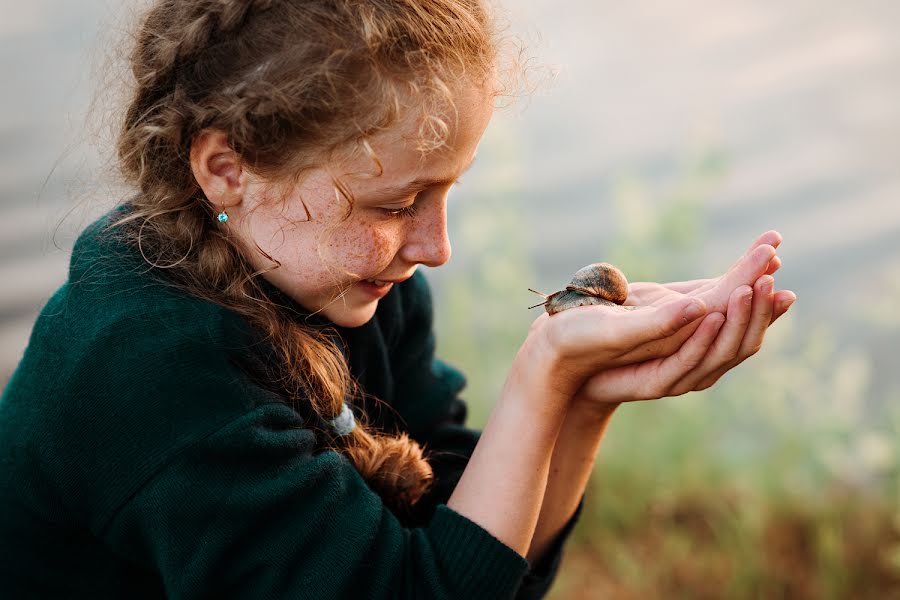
x=601, y=280
x=598, y=283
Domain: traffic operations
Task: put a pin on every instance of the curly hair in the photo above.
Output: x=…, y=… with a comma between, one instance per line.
x=290, y=83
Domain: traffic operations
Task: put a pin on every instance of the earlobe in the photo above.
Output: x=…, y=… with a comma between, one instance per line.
x=217, y=169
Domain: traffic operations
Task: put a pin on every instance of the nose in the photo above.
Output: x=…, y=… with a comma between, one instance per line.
x=427, y=241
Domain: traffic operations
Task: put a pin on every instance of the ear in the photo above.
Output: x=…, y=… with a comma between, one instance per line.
x=217, y=169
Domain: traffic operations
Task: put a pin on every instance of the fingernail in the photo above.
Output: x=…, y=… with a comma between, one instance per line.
x=767, y=286
x=694, y=310
x=747, y=298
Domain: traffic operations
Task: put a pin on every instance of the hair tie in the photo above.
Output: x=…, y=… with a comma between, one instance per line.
x=344, y=423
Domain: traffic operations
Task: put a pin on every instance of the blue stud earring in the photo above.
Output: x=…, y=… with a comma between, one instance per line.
x=223, y=216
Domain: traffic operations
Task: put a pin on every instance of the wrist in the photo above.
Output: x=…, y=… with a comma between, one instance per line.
x=537, y=378
x=590, y=411
x=542, y=354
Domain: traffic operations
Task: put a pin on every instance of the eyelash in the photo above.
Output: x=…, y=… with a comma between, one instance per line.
x=406, y=211
x=402, y=213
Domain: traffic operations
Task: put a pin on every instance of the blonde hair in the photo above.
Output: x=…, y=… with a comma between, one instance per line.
x=289, y=82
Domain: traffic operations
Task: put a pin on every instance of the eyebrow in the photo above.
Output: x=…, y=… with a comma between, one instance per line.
x=420, y=184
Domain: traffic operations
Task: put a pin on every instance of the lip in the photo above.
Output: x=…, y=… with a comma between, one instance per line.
x=393, y=280
x=380, y=291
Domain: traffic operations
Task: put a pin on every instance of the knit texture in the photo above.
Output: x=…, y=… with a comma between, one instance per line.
x=140, y=458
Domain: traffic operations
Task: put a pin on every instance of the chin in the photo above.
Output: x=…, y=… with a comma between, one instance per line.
x=357, y=317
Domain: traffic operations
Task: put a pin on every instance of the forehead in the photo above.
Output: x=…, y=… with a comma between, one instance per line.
x=394, y=158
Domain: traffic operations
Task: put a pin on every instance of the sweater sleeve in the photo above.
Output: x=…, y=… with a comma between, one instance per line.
x=428, y=398
x=251, y=511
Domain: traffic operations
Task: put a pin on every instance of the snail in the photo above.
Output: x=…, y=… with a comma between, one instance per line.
x=598, y=283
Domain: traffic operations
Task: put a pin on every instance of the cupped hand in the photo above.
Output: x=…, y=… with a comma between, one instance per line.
x=573, y=345
x=756, y=261
x=754, y=268
x=716, y=344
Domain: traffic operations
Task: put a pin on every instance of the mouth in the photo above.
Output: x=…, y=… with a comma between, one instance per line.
x=384, y=282
x=378, y=288
x=377, y=282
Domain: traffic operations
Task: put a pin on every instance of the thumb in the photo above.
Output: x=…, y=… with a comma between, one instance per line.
x=624, y=331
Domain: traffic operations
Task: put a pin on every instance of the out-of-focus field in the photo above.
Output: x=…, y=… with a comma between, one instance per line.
x=671, y=135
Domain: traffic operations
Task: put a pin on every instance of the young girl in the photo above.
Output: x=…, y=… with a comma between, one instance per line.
x=234, y=395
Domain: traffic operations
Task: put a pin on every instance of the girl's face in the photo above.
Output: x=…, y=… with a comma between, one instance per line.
x=340, y=267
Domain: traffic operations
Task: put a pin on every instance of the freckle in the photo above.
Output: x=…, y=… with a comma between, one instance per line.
x=382, y=243
x=365, y=241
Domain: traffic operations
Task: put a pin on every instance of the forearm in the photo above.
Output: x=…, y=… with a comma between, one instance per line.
x=512, y=461
x=503, y=485
x=570, y=469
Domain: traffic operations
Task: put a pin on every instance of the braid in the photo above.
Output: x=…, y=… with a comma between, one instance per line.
x=178, y=31
x=190, y=27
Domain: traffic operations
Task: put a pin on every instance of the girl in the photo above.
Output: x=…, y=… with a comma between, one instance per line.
x=235, y=395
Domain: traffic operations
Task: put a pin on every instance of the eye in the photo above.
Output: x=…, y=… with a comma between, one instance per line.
x=401, y=213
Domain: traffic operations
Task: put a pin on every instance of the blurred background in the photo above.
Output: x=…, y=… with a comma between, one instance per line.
x=669, y=136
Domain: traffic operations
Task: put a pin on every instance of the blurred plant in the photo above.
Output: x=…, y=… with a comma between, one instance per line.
x=660, y=237
x=476, y=328
x=783, y=480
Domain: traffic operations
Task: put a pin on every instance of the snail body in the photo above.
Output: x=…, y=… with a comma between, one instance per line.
x=598, y=283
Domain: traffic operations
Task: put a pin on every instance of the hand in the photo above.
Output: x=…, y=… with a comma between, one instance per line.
x=567, y=348
x=595, y=338
x=649, y=294
x=759, y=259
x=716, y=346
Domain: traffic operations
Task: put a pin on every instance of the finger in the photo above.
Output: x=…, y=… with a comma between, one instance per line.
x=683, y=287
x=749, y=268
x=783, y=300
x=654, y=378
x=642, y=293
x=771, y=237
x=727, y=346
x=723, y=354
x=658, y=348
x=745, y=272
x=622, y=332
x=760, y=317
x=767, y=307
x=672, y=369
x=658, y=322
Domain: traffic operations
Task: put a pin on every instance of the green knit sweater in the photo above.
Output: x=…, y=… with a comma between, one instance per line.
x=144, y=456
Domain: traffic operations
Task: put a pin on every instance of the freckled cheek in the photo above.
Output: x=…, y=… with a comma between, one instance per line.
x=384, y=247
x=365, y=249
